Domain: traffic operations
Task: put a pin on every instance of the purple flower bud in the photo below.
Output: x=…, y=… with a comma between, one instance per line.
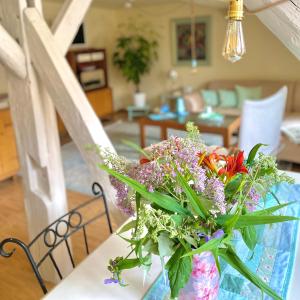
x=218, y=234
x=207, y=238
x=110, y=280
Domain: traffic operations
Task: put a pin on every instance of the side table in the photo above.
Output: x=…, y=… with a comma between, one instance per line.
x=136, y=111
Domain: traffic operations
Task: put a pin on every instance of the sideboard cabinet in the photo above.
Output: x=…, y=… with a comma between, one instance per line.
x=9, y=163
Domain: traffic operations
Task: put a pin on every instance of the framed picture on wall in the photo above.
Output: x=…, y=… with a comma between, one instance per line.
x=181, y=41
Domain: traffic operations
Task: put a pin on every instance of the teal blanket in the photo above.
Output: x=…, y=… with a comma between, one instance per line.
x=272, y=260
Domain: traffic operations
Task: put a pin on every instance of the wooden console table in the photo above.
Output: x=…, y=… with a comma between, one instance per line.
x=226, y=128
x=9, y=162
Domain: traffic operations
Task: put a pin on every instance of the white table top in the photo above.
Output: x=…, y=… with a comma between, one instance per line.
x=86, y=281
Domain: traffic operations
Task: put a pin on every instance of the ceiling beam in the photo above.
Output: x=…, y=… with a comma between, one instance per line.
x=282, y=20
x=67, y=22
x=11, y=54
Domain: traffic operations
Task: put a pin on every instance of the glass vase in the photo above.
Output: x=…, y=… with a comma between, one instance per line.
x=204, y=280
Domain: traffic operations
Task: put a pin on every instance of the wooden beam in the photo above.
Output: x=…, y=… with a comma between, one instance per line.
x=67, y=22
x=38, y=143
x=11, y=54
x=264, y=7
x=70, y=101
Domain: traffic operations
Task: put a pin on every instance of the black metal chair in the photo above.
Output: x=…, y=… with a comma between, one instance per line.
x=57, y=237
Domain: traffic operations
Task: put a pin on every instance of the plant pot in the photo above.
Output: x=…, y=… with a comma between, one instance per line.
x=139, y=99
x=204, y=280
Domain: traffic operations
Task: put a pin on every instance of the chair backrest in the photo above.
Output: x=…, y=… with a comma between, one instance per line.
x=58, y=233
x=261, y=121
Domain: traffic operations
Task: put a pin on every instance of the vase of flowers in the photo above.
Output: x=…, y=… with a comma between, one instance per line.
x=186, y=201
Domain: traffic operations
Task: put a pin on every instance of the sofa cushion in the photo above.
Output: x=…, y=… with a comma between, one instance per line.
x=247, y=93
x=269, y=87
x=228, y=98
x=210, y=97
x=194, y=102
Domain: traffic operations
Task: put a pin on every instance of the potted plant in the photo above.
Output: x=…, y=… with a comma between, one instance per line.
x=134, y=56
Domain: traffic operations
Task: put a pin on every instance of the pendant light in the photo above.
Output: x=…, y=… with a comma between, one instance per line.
x=234, y=45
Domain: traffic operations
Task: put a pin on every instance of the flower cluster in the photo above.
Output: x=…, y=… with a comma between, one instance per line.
x=185, y=197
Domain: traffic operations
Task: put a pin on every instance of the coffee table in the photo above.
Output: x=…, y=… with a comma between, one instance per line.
x=225, y=128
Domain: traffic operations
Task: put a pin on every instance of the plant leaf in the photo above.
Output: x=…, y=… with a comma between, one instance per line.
x=209, y=246
x=216, y=256
x=178, y=219
x=165, y=245
x=179, y=271
x=253, y=153
x=232, y=187
x=249, y=236
x=136, y=147
x=248, y=220
x=127, y=226
x=231, y=258
x=128, y=263
x=151, y=247
x=162, y=200
x=270, y=210
x=195, y=200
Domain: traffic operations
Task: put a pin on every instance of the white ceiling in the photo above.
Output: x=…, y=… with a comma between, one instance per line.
x=138, y=3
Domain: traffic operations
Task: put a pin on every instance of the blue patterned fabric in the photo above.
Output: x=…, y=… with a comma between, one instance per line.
x=272, y=260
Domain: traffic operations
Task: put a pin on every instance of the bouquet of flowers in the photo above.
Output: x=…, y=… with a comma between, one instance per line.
x=186, y=199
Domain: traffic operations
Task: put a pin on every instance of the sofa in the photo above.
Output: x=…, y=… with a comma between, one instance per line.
x=289, y=151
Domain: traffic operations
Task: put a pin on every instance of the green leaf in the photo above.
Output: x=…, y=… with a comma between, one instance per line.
x=136, y=147
x=248, y=220
x=165, y=245
x=253, y=153
x=209, y=246
x=231, y=258
x=190, y=240
x=216, y=256
x=132, y=242
x=162, y=200
x=179, y=271
x=151, y=247
x=128, y=263
x=249, y=236
x=232, y=187
x=127, y=226
x=275, y=197
x=195, y=200
x=178, y=219
x=231, y=222
x=270, y=210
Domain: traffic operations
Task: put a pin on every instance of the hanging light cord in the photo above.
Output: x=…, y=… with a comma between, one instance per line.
x=193, y=30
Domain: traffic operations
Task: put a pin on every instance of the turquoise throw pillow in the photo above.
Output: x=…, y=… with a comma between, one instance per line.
x=247, y=93
x=228, y=98
x=210, y=97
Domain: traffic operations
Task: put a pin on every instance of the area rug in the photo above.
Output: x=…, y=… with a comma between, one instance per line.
x=77, y=175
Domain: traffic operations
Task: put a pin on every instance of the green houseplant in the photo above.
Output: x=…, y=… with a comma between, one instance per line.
x=134, y=55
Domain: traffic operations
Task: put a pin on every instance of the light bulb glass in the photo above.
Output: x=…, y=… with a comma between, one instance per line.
x=234, y=45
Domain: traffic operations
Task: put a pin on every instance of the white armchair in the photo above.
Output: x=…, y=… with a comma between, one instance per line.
x=261, y=121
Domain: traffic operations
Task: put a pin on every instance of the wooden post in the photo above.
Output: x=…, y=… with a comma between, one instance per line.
x=41, y=69
x=69, y=99
x=34, y=121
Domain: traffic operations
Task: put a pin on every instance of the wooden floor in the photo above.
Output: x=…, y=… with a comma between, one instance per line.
x=17, y=281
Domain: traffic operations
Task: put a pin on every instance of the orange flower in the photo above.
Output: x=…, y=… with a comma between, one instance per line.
x=209, y=160
x=144, y=160
x=234, y=165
